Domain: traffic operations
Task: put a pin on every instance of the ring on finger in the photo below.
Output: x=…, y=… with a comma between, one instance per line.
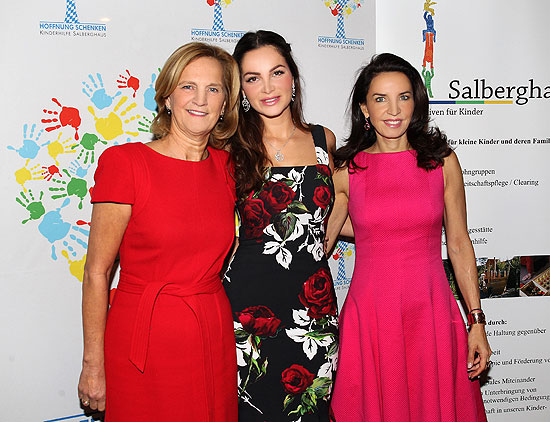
x=85, y=402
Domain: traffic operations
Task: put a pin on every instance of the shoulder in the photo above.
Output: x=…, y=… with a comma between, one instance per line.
x=331, y=139
x=450, y=163
x=219, y=154
x=121, y=151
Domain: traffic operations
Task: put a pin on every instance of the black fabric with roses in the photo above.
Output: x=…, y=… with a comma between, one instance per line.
x=282, y=295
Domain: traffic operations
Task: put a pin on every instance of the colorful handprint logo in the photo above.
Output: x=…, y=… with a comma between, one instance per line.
x=56, y=164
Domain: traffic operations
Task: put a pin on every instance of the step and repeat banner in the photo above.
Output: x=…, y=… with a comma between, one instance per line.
x=78, y=76
x=486, y=70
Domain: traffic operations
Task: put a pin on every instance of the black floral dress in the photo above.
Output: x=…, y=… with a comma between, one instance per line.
x=282, y=296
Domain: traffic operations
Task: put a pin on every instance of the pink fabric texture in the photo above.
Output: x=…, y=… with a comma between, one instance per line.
x=403, y=343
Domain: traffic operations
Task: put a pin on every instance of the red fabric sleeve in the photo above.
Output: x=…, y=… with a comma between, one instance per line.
x=114, y=177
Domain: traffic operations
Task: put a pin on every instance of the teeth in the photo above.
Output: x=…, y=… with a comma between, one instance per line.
x=197, y=113
x=270, y=101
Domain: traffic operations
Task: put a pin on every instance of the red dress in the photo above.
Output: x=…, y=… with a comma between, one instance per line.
x=169, y=343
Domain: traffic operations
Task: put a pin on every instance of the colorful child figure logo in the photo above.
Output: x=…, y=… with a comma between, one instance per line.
x=341, y=9
x=341, y=255
x=428, y=37
x=218, y=17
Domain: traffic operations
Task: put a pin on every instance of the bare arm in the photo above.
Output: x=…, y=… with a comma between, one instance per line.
x=109, y=221
x=339, y=214
x=461, y=254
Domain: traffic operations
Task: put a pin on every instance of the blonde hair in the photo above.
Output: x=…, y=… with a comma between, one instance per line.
x=167, y=82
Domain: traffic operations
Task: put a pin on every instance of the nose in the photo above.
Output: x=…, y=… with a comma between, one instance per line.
x=200, y=97
x=394, y=109
x=267, y=87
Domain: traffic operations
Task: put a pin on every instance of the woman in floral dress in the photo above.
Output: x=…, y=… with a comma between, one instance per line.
x=278, y=282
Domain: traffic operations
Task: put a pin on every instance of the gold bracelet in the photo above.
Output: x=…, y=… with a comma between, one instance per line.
x=476, y=316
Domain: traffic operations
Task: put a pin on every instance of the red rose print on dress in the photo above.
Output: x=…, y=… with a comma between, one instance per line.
x=259, y=320
x=256, y=218
x=276, y=196
x=296, y=379
x=322, y=196
x=318, y=295
x=323, y=170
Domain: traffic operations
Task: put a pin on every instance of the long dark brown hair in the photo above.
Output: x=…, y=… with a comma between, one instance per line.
x=430, y=143
x=246, y=146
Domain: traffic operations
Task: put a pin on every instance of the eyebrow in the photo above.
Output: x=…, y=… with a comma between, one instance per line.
x=383, y=95
x=271, y=70
x=194, y=83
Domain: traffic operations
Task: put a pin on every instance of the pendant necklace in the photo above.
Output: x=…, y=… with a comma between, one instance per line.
x=278, y=154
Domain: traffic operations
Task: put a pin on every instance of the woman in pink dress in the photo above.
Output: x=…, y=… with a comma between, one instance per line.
x=405, y=354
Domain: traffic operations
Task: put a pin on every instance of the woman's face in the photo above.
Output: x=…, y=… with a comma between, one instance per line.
x=198, y=99
x=390, y=105
x=267, y=81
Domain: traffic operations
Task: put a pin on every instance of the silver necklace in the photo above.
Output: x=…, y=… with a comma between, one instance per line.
x=278, y=154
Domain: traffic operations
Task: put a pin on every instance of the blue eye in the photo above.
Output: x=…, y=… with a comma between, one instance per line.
x=186, y=87
x=405, y=97
x=212, y=89
x=379, y=99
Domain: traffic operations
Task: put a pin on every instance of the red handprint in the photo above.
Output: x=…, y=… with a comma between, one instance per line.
x=50, y=171
x=128, y=82
x=69, y=116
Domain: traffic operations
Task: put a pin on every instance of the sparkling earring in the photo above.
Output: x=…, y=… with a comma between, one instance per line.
x=168, y=111
x=220, y=119
x=367, y=124
x=246, y=103
x=293, y=97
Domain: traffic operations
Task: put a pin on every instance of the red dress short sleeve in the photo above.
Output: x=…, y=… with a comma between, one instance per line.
x=114, y=177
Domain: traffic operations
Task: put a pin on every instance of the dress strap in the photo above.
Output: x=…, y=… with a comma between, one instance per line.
x=320, y=140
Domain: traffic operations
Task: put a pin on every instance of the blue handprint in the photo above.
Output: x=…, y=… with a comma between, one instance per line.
x=76, y=169
x=67, y=243
x=97, y=94
x=53, y=228
x=149, y=95
x=30, y=146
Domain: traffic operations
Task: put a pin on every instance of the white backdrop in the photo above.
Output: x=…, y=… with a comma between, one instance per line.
x=98, y=61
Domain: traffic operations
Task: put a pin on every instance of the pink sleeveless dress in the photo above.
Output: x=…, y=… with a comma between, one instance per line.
x=403, y=343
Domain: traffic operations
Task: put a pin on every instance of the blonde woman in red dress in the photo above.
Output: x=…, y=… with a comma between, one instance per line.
x=165, y=350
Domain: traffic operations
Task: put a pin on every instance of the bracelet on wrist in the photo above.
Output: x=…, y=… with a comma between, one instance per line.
x=476, y=316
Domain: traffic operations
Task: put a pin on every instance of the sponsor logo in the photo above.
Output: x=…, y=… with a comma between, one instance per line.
x=342, y=264
x=80, y=418
x=217, y=33
x=477, y=91
x=341, y=9
x=71, y=25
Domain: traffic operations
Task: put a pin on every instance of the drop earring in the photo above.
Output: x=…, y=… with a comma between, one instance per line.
x=367, y=124
x=293, y=96
x=246, y=103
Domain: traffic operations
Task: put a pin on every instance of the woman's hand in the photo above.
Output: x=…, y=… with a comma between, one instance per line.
x=479, y=351
x=91, y=386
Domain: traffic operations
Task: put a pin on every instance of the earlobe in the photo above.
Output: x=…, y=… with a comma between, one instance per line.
x=364, y=110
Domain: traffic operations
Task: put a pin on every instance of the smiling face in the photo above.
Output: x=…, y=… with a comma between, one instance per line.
x=390, y=106
x=198, y=99
x=267, y=81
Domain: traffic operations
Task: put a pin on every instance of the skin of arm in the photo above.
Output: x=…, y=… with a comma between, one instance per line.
x=339, y=214
x=461, y=254
x=109, y=221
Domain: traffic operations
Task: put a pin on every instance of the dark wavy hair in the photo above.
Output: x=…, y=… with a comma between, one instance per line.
x=246, y=146
x=430, y=143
